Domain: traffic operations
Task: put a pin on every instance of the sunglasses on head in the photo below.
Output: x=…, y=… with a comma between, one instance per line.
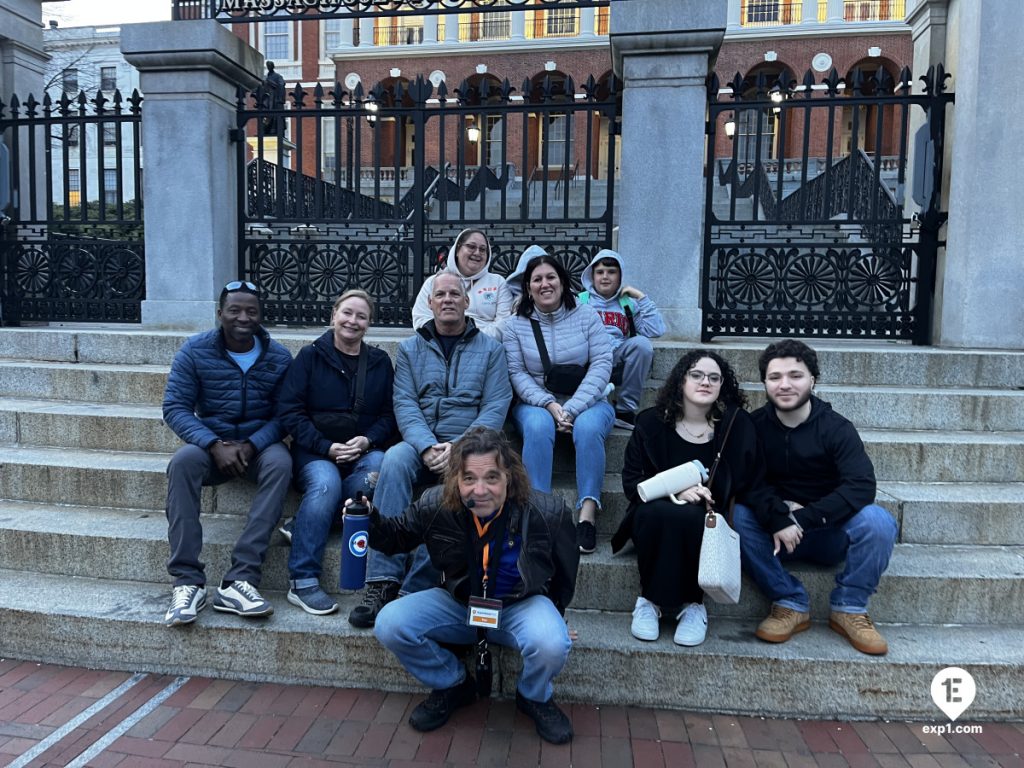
x=241, y=285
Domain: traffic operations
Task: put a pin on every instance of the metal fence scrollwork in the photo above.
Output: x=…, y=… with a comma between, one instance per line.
x=367, y=188
x=72, y=246
x=823, y=207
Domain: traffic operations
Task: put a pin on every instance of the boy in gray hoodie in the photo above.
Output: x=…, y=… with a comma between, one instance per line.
x=631, y=319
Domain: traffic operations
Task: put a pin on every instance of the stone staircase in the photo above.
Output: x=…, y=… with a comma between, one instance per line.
x=83, y=543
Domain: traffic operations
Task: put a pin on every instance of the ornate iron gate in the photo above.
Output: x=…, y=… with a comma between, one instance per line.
x=72, y=245
x=343, y=189
x=809, y=224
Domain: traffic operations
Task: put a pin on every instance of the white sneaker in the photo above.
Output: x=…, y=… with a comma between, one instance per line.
x=242, y=598
x=645, y=620
x=693, y=625
x=186, y=603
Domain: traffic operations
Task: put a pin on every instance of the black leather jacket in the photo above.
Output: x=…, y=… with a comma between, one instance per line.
x=547, y=561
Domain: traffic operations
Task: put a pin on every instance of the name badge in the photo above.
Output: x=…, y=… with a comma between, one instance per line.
x=484, y=613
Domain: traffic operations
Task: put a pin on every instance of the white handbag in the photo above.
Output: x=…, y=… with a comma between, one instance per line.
x=718, y=573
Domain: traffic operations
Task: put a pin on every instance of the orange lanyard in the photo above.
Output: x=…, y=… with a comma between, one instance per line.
x=481, y=531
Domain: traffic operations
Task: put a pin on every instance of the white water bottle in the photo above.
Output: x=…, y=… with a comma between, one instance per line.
x=672, y=481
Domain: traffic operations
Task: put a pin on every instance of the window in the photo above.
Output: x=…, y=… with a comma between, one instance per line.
x=74, y=186
x=328, y=151
x=747, y=135
x=108, y=79
x=277, y=40
x=73, y=134
x=69, y=81
x=492, y=148
x=558, y=139
x=560, y=22
x=497, y=26
x=332, y=34
x=110, y=187
x=109, y=134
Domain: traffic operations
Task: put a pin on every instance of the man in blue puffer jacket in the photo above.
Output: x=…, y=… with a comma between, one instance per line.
x=221, y=398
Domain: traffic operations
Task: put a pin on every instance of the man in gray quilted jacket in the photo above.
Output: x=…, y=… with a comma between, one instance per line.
x=448, y=377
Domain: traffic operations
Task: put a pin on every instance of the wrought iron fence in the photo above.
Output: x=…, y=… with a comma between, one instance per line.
x=365, y=189
x=72, y=248
x=811, y=226
x=248, y=11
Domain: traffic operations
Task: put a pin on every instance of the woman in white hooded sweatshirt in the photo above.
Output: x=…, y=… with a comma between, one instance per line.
x=490, y=300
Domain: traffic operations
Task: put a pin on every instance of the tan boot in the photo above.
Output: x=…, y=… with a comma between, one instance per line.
x=858, y=629
x=781, y=624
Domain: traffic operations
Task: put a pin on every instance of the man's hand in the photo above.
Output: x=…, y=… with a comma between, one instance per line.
x=342, y=453
x=793, y=506
x=232, y=459
x=435, y=458
x=789, y=538
x=631, y=292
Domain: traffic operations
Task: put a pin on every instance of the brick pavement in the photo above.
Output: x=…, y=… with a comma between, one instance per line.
x=210, y=722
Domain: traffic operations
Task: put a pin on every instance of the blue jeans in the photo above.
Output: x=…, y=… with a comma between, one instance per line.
x=590, y=429
x=865, y=540
x=413, y=626
x=401, y=471
x=324, y=487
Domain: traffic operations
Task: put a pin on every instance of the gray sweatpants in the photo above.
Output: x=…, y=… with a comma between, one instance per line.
x=639, y=356
x=189, y=470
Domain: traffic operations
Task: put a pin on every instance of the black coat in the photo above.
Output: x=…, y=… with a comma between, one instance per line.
x=740, y=475
x=820, y=464
x=316, y=383
x=547, y=561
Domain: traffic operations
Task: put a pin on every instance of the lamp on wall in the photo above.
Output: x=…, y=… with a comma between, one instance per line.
x=730, y=127
x=371, y=112
x=473, y=133
x=777, y=97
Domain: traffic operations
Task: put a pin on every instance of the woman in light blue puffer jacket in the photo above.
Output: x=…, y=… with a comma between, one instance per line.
x=573, y=335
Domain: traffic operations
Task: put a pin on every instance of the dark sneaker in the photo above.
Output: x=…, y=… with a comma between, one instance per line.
x=242, y=598
x=376, y=595
x=312, y=600
x=625, y=419
x=186, y=603
x=552, y=723
x=586, y=536
x=434, y=711
x=286, y=529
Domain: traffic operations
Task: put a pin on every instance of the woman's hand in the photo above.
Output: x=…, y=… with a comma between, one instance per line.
x=563, y=421
x=695, y=495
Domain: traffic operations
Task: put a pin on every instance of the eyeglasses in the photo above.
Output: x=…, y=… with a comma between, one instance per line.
x=474, y=248
x=238, y=285
x=698, y=376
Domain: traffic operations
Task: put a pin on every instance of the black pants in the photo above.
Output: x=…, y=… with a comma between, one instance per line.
x=668, y=538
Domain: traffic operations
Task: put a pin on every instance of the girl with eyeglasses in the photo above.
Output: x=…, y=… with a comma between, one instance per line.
x=490, y=300
x=688, y=421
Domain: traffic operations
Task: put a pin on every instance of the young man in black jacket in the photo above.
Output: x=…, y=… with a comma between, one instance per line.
x=824, y=511
x=509, y=559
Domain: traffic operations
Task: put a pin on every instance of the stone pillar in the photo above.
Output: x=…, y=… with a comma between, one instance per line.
x=189, y=71
x=366, y=33
x=809, y=12
x=587, y=22
x=345, y=39
x=451, y=28
x=518, y=25
x=734, y=22
x=835, y=12
x=429, y=30
x=982, y=293
x=663, y=49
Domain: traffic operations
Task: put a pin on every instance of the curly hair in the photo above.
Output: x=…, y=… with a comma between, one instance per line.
x=480, y=441
x=789, y=348
x=568, y=297
x=669, y=403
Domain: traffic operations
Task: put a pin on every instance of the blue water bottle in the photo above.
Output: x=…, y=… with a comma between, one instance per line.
x=355, y=540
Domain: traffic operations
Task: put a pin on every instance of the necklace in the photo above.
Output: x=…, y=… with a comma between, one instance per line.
x=699, y=435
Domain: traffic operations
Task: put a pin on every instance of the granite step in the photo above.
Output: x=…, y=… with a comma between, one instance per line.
x=117, y=625
x=968, y=513
x=843, y=362
x=927, y=584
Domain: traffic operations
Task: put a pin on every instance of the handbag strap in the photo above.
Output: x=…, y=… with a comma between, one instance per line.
x=364, y=354
x=718, y=458
x=629, y=320
x=541, y=346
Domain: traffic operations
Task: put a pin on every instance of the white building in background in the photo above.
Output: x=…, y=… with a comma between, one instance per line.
x=88, y=60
